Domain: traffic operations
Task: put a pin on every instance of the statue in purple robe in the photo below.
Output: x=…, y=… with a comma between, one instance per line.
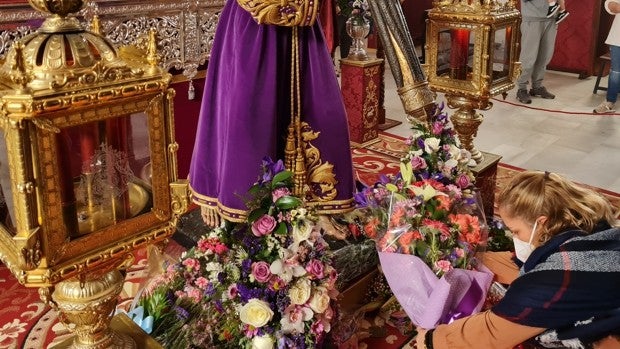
x=268, y=85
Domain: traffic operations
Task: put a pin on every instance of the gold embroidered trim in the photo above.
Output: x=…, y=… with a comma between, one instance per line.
x=287, y=13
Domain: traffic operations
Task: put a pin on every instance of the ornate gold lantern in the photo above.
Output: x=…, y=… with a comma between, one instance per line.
x=88, y=171
x=471, y=56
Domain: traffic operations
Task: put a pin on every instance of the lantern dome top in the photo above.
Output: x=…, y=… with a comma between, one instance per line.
x=61, y=54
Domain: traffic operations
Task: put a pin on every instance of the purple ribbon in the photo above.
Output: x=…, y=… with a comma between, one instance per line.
x=466, y=306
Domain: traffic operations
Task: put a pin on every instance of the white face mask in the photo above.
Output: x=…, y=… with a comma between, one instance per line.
x=524, y=249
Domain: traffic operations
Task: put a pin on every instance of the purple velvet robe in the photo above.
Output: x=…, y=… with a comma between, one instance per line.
x=245, y=111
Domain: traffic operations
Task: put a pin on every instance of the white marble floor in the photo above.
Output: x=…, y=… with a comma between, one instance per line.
x=561, y=135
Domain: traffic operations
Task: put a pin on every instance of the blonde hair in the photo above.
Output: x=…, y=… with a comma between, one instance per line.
x=531, y=194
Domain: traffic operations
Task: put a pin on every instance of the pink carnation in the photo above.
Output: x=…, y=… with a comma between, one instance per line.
x=443, y=265
x=192, y=263
x=202, y=282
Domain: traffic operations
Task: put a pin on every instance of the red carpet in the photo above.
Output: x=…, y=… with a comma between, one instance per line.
x=25, y=322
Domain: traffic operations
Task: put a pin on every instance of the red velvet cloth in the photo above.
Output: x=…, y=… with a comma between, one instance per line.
x=327, y=19
x=185, y=122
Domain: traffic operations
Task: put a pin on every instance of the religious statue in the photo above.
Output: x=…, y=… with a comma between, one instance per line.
x=271, y=91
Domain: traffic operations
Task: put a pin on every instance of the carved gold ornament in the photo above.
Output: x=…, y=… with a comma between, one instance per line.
x=291, y=13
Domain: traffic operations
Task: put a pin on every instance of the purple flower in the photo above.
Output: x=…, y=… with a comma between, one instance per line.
x=271, y=168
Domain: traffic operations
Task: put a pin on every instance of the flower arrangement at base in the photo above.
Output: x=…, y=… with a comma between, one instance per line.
x=262, y=284
x=428, y=223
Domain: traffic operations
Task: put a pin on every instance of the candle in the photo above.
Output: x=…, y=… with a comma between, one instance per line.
x=459, y=53
x=88, y=144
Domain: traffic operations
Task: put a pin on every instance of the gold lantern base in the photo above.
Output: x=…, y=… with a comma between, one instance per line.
x=86, y=308
x=123, y=325
x=466, y=121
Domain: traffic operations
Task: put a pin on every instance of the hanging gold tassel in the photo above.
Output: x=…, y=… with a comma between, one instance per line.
x=295, y=148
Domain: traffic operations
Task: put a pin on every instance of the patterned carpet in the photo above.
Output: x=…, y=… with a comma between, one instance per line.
x=25, y=322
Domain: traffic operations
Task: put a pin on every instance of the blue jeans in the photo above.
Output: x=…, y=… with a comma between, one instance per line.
x=613, y=85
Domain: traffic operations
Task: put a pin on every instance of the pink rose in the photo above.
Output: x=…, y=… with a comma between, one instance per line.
x=315, y=268
x=260, y=271
x=418, y=163
x=463, y=181
x=280, y=192
x=264, y=225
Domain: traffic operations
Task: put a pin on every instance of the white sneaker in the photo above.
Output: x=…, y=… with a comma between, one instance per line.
x=604, y=108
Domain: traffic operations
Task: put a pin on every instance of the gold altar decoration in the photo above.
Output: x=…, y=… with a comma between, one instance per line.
x=88, y=171
x=287, y=13
x=471, y=56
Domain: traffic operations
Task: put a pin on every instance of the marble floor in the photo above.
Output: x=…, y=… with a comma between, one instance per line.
x=560, y=135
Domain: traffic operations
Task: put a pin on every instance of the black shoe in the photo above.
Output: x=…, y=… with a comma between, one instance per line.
x=541, y=92
x=523, y=97
x=552, y=10
x=560, y=17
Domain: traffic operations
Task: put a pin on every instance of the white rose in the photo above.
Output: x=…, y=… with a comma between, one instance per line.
x=319, y=301
x=256, y=313
x=301, y=231
x=431, y=144
x=300, y=291
x=262, y=342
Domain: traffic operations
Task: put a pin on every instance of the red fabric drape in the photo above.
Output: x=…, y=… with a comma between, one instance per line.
x=327, y=17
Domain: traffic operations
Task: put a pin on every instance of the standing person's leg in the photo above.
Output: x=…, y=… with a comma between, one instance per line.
x=530, y=41
x=562, y=13
x=343, y=38
x=613, y=83
x=548, y=32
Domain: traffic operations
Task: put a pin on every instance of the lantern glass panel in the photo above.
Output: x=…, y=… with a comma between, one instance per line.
x=7, y=206
x=107, y=172
x=501, y=52
x=455, y=50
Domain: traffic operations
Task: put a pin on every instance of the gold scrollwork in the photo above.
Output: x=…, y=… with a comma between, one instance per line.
x=32, y=256
x=321, y=178
x=288, y=13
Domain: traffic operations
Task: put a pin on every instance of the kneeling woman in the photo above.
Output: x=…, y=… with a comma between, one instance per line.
x=567, y=245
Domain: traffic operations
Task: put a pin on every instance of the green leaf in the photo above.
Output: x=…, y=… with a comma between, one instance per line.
x=281, y=177
x=288, y=202
x=281, y=229
x=391, y=187
x=256, y=214
x=406, y=171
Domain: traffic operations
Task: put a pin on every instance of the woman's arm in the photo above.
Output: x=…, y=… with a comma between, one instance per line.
x=483, y=330
x=500, y=264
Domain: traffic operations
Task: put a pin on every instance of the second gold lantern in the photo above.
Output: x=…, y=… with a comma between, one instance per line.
x=471, y=56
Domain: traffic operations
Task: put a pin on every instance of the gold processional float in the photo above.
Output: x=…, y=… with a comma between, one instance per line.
x=84, y=125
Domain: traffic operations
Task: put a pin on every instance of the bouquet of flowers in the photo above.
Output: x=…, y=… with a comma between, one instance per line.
x=427, y=222
x=263, y=283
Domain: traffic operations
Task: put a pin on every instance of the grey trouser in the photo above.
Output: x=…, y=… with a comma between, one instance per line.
x=537, y=46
